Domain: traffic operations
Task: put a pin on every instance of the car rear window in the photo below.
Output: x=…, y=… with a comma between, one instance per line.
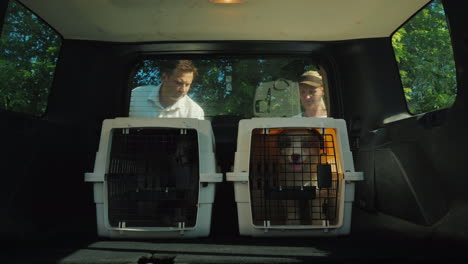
x=247, y=87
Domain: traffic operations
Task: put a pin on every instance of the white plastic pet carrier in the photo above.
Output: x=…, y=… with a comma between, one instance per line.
x=293, y=177
x=154, y=178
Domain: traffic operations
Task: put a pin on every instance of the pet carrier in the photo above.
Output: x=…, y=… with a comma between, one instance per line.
x=293, y=177
x=154, y=178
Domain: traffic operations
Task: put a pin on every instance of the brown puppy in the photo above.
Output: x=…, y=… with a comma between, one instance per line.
x=299, y=154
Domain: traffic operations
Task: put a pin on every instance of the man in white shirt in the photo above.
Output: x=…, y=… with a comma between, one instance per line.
x=169, y=99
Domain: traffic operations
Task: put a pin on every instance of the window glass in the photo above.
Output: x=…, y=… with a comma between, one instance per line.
x=28, y=55
x=424, y=54
x=247, y=87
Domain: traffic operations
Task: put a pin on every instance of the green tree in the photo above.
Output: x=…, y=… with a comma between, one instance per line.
x=424, y=54
x=28, y=55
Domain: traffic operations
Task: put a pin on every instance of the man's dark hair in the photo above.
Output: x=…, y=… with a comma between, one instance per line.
x=169, y=66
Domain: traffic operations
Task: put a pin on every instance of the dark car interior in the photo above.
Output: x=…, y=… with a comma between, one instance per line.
x=412, y=205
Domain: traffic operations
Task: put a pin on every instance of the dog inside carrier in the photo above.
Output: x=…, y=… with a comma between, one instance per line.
x=153, y=177
x=294, y=176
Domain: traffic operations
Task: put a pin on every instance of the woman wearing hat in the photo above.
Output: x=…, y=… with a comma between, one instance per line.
x=311, y=93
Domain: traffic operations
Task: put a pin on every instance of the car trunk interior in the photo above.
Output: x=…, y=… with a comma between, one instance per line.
x=413, y=199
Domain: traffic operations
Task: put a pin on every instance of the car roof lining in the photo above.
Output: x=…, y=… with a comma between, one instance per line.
x=200, y=20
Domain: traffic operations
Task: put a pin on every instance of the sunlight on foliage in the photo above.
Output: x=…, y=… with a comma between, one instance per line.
x=424, y=54
x=28, y=55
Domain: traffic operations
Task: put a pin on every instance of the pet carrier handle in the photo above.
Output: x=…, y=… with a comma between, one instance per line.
x=211, y=177
x=353, y=176
x=92, y=177
x=237, y=176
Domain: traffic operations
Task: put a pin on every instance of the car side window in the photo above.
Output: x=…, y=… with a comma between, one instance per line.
x=28, y=55
x=423, y=50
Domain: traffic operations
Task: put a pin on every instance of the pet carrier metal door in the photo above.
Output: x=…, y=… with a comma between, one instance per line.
x=293, y=177
x=154, y=177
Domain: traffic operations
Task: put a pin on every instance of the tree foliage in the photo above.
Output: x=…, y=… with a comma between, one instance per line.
x=424, y=54
x=28, y=55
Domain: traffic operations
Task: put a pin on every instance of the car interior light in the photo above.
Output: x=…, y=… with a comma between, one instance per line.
x=227, y=1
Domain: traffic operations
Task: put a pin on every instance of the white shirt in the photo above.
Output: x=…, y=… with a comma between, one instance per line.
x=303, y=115
x=144, y=102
